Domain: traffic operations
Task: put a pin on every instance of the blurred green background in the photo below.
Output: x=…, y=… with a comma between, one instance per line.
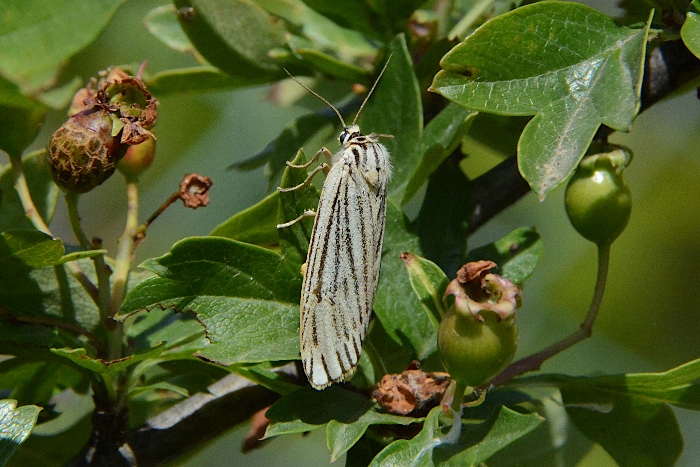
x=649, y=320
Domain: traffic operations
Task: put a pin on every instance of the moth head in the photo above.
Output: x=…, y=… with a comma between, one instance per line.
x=348, y=133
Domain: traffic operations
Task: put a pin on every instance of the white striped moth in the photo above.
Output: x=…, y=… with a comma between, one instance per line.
x=342, y=265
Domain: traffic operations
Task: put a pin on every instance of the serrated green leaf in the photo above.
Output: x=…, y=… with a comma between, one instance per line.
x=395, y=109
x=440, y=137
x=235, y=36
x=20, y=117
x=340, y=437
x=429, y=284
x=517, y=254
x=50, y=292
x=256, y=225
x=678, y=386
x=633, y=431
x=443, y=221
x=294, y=239
x=396, y=306
x=42, y=188
x=245, y=296
x=199, y=79
x=80, y=358
x=569, y=65
x=38, y=36
x=15, y=426
x=476, y=444
x=32, y=247
x=307, y=409
x=162, y=22
x=690, y=31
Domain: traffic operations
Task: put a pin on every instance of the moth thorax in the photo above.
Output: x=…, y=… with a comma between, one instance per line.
x=348, y=133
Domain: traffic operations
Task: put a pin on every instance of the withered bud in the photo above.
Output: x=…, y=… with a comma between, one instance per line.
x=412, y=392
x=476, y=289
x=194, y=190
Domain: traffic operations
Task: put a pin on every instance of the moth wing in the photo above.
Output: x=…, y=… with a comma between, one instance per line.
x=341, y=276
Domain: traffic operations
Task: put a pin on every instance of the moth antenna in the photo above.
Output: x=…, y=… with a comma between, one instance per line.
x=372, y=90
x=321, y=97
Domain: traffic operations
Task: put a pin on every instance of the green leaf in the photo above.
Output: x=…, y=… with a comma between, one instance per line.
x=255, y=225
x=395, y=109
x=50, y=292
x=330, y=65
x=38, y=36
x=429, y=284
x=15, y=426
x=160, y=386
x=440, y=137
x=31, y=247
x=569, y=65
x=162, y=22
x=42, y=188
x=305, y=131
x=307, y=409
x=351, y=14
x=20, y=117
x=341, y=436
x=235, y=36
x=80, y=358
x=633, y=431
x=400, y=311
x=245, y=296
x=678, y=386
x=476, y=444
x=443, y=220
x=690, y=31
x=517, y=254
x=263, y=375
x=199, y=79
x=350, y=46
x=294, y=239
x=181, y=334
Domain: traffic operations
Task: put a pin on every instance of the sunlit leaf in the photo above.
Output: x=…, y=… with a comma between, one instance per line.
x=245, y=296
x=15, y=426
x=255, y=225
x=567, y=64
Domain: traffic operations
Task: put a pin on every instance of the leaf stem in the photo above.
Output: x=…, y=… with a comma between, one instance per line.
x=535, y=361
x=74, y=218
x=124, y=257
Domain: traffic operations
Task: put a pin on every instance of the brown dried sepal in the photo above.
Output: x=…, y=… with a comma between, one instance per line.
x=412, y=392
x=254, y=438
x=194, y=190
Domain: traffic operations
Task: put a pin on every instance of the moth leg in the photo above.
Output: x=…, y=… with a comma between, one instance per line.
x=324, y=151
x=306, y=182
x=292, y=222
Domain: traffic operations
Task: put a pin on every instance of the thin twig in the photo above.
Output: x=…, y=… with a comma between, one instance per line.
x=535, y=361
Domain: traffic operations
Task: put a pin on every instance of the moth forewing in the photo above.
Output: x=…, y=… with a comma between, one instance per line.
x=342, y=266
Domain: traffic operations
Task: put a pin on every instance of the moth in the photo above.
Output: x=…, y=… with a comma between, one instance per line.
x=342, y=266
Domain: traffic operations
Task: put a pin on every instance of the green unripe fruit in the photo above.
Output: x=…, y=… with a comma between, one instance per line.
x=137, y=159
x=598, y=200
x=473, y=351
x=478, y=335
x=83, y=153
